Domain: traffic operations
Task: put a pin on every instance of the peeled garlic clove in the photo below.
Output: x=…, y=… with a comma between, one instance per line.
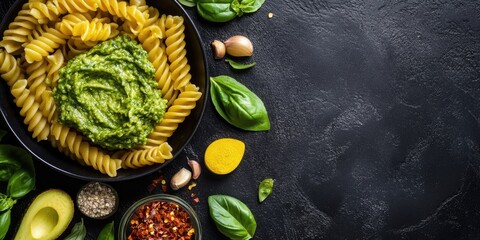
x=239, y=46
x=218, y=49
x=196, y=168
x=180, y=179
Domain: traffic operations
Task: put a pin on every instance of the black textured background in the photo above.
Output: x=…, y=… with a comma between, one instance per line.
x=375, y=109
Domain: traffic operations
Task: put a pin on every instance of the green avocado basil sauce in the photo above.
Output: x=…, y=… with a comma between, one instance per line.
x=110, y=95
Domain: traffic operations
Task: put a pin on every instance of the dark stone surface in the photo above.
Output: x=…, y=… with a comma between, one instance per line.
x=375, y=109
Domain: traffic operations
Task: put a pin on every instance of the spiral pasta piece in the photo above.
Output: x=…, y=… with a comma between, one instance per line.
x=75, y=146
x=95, y=30
x=52, y=9
x=44, y=45
x=9, y=68
x=19, y=30
x=36, y=80
x=149, y=37
x=33, y=118
x=129, y=13
x=176, y=52
x=70, y=20
x=145, y=157
x=55, y=62
x=175, y=115
x=48, y=107
x=76, y=46
x=141, y=4
x=36, y=33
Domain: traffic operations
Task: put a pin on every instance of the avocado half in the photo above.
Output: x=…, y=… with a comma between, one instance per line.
x=47, y=216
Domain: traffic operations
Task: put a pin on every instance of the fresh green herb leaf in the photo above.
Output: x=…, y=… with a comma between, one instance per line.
x=250, y=6
x=265, y=189
x=236, y=7
x=216, y=10
x=239, y=66
x=11, y=159
x=5, y=219
x=238, y=105
x=79, y=232
x=107, y=232
x=7, y=167
x=16, y=167
x=21, y=183
x=6, y=202
x=232, y=217
x=188, y=3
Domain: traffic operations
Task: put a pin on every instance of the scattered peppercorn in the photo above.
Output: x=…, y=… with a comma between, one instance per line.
x=161, y=220
x=97, y=200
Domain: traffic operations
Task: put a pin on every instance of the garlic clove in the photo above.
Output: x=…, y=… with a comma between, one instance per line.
x=196, y=168
x=239, y=46
x=180, y=179
x=218, y=49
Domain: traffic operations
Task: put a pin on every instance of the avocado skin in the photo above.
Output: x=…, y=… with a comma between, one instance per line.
x=53, y=200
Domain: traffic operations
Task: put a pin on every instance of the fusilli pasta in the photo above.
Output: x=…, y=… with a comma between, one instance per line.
x=74, y=145
x=9, y=68
x=176, y=52
x=145, y=157
x=44, y=45
x=54, y=8
x=19, y=30
x=37, y=123
x=175, y=115
x=95, y=30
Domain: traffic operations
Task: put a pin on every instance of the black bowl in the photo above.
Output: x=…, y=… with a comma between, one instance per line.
x=44, y=152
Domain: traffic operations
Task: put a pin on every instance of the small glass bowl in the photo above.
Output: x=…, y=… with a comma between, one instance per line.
x=114, y=207
x=124, y=226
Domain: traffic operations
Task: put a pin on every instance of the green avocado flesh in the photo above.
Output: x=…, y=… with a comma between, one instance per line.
x=110, y=95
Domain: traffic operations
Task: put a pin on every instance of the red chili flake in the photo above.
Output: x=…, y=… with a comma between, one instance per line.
x=161, y=220
x=155, y=183
x=196, y=200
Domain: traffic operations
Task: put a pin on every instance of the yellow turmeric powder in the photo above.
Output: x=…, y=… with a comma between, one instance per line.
x=224, y=155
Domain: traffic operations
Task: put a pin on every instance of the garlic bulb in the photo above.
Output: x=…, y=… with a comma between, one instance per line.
x=239, y=46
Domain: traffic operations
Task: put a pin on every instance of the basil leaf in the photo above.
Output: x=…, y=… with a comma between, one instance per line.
x=6, y=202
x=21, y=183
x=7, y=168
x=107, y=232
x=236, y=7
x=79, y=232
x=216, y=10
x=265, y=189
x=250, y=6
x=238, y=105
x=5, y=219
x=11, y=159
x=232, y=217
x=188, y=3
x=239, y=66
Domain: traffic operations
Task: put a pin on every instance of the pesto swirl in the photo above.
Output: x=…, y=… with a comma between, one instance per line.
x=110, y=95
